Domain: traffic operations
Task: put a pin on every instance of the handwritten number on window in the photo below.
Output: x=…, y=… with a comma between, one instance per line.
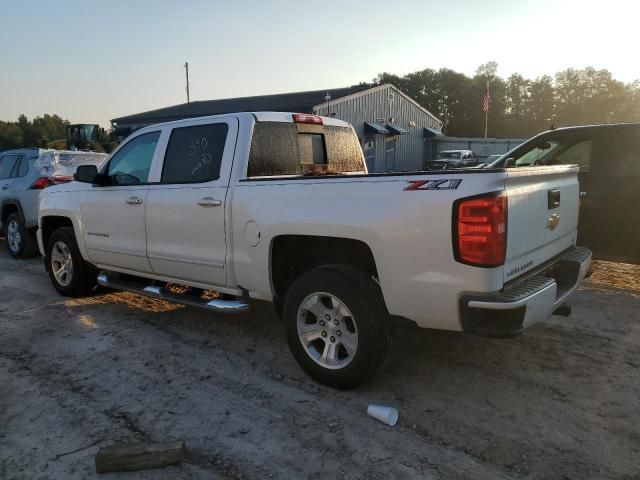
x=205, y=159
x=197, y=145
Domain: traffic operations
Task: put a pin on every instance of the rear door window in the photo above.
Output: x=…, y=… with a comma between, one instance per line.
x=194, y=154
x=577, y=154
x=278, y=148
x=22, y=167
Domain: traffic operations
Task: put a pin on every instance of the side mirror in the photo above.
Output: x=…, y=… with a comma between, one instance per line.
x=510, y=162
x=86, y=173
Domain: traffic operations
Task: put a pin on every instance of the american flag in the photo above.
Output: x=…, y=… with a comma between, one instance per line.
x=486, y=101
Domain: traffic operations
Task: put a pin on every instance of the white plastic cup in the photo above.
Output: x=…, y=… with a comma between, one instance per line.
x=386, y=415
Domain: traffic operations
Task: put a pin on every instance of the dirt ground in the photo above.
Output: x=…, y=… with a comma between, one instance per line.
x=562, y=401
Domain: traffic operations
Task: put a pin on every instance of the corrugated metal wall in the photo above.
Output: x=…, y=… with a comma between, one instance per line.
x=379, y=106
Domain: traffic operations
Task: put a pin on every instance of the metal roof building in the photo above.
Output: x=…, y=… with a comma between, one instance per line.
x=393, y=129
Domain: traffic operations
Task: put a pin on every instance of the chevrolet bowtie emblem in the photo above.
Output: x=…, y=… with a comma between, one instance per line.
x=553, y=221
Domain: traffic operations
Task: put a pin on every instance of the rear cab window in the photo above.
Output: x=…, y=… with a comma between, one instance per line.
x=287, y=148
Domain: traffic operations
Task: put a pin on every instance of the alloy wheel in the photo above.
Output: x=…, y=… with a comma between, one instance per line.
x=62, y=263
x=327, y=330
x=14, y=237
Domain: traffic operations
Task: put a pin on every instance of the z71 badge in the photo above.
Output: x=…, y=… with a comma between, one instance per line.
x=446, y=184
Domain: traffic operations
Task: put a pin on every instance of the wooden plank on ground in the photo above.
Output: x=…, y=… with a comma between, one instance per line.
x=117, y=458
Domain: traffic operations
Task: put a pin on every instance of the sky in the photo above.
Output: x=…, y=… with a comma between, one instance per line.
x=91, y=61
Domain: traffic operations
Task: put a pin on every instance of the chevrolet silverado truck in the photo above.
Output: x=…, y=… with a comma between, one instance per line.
x=279, y=207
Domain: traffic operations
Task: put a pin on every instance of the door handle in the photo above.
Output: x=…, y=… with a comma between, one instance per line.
x=5, y=187
x=209, y=202
x=134, y=200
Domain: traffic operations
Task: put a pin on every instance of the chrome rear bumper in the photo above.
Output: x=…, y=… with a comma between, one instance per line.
x=527, y=301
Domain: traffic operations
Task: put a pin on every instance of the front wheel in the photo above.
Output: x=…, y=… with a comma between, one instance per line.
x=21, y=242
x=70, y=274
x=337, y=325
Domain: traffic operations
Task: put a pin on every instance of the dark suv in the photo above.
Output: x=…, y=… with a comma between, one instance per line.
x=609, y=160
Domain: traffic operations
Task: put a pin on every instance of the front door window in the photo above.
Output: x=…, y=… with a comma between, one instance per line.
x=131, y=164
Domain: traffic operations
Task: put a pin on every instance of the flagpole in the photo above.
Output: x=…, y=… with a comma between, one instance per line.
x=487, y=101
x=486, y=122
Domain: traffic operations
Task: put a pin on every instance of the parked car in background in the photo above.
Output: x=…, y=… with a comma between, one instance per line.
x=447, y=159
x=609, y=161
x=24, y=173
x=279, y=207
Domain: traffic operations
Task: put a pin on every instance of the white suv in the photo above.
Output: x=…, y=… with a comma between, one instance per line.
x=24, y=173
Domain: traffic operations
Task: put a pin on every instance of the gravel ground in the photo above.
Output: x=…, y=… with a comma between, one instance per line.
x=561, y=401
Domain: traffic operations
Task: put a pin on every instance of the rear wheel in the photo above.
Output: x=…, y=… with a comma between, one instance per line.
x=69, y=273
x=337, y=325
x=21, y=242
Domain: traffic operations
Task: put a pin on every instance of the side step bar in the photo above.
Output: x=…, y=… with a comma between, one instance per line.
x=216, y=305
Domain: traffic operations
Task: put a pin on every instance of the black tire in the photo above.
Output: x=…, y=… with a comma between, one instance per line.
x=24, y=244
x=363, y=298
x=82, y=274
x=278, y=306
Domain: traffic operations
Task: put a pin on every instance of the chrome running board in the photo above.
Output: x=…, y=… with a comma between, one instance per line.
x=215, y=305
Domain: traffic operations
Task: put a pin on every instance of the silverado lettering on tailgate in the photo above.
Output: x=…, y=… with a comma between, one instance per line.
x=519, y=268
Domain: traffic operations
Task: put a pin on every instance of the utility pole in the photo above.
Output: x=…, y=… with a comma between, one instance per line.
x=186, y=66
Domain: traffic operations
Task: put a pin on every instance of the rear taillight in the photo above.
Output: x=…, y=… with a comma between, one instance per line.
x=307, y=118
x=41, y=182
x=480, y=230
x=62, y=179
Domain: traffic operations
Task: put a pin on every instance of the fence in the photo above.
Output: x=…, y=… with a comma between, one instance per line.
x=482, y=147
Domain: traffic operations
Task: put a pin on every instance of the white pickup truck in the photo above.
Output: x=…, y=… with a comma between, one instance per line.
x=279, y=207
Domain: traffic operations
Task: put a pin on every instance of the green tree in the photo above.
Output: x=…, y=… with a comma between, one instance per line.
x=520, y=107
x=49, y=127
x=10, y=135
x=541, y=112
x=517, y=106
x=630, y=110
x=486, y=74
x=488, y=71
x=25, y=133
x=589, y=96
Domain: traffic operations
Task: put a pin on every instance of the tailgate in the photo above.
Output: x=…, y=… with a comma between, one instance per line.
x=542, y=216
